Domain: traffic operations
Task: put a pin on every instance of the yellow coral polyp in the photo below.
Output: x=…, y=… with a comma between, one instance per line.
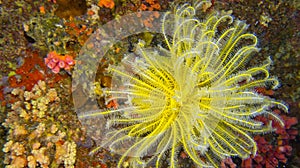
x=196, y=95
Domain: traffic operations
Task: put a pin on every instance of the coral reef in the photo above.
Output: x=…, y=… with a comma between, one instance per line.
x=13, y=40
x=47, y=32
x=29, y=73
x=33, y=131
x=79, y=31
x=31, y=70
x=31, y=29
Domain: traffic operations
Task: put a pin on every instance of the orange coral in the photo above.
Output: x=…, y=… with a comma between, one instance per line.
x=90, y=12
x=143, y=7
x=112, y=104
x=148, y=22
x=117, y=50
x=42, y=9
x=28, y=72
x=106, y=3
x=150, y=5
x=1, y=93
x=32, y=70
x=264, y=91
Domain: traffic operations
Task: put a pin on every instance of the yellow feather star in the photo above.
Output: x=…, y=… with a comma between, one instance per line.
x=195, y=96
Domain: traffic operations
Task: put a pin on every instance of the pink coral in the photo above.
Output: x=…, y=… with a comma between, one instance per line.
x=228, y=163
x=273, y=150
x=269, y=155
x=56, y=62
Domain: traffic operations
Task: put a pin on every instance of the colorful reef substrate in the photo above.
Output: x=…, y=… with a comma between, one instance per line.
x=199, y=93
